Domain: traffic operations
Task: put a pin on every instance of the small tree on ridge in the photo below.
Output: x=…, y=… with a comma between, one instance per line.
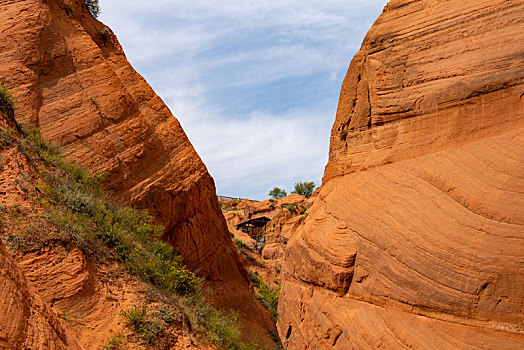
x=305, y=188
x=277, y=193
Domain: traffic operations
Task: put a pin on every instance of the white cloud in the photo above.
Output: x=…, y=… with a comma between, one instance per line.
x=253, y=154
x=254, y=84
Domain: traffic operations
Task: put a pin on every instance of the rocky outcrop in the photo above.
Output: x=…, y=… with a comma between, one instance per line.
x=25, y=321
x=72, y=79
x=416, y=238
x=285, y=214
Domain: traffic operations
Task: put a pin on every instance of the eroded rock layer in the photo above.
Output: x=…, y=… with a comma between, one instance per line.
x=71, y=78
x=416, y=238
x=25, y=321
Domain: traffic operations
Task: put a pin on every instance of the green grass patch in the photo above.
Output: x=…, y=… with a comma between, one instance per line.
x=291, y=207
x=114, y=342
x=148, y=326
x=267, y=297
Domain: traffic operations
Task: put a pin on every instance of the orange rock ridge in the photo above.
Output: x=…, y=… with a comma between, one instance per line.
x=75, y=83
x=416, y=238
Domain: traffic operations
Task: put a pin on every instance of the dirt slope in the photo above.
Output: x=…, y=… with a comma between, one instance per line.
x=72, y=79
x=417, y=236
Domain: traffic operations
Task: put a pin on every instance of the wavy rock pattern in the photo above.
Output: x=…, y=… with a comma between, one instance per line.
x=417, y=236
x=74, y=81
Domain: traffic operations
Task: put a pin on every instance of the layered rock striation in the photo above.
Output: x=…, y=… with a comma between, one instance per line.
x=25, y=321
x=416, y=238
x=71, y=78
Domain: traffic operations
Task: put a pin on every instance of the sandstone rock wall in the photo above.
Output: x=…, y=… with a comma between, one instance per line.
x=72, y=79
x=417, y=236
x=25, y=321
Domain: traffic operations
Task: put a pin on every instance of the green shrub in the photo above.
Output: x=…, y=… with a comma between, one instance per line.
x=222, y=327
x=33, y=142
x=305, y=188
x=238, y=244
x=277, y=193
x=146, y=326
x=93, y=7
x=135, y=317
x=343, y=135
x=302, y=210
x=7, y=137
x=104, y=33
x=267, y=297
x=6, y=99
x=167, y=314
x=244, y=249
x=114, y=342
x=292, y=207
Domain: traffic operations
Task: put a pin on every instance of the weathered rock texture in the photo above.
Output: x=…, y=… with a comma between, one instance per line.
x=416, y=239
x=72, y=79
x=285, y=214
x=25, y=321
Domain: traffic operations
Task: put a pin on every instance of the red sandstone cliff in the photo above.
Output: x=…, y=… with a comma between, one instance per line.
x=72, y=79
x=54, y=295
x=25, y=321
x=416, y=238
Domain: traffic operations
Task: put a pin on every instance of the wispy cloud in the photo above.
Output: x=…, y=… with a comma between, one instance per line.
x=255, y=84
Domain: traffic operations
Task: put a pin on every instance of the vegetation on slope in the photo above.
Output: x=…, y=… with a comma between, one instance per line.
x=267, y=297
x=79, y=209
x=6, y=99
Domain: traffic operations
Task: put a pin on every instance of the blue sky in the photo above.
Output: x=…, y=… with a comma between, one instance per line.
x=255, y=84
